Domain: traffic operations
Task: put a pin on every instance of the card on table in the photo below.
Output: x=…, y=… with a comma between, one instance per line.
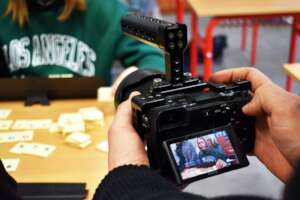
x=10, y=165
x=4, y=113
x=5, y=124
x=55, y=128
x=79, y=139
x=69, y=118
x=35, y=149
x=17, y=136
x=71, y=122
x=105, y=94
x=20, y=148
x=91, y=114
x=32, y=124
x=103, y=146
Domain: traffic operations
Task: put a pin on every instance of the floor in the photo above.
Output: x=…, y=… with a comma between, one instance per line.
x=272, y=53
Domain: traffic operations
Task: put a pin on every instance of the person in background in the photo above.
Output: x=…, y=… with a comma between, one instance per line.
x=210, y=156
x=40, y=38
x=189, y=154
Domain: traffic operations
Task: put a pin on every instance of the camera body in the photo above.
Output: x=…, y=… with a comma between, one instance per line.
x=175, y=110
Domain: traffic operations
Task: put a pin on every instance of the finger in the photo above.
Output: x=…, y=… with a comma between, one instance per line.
x=254, y=107
x=133, y=94
x=269, y=154
x=124, y=111
x=253, y=75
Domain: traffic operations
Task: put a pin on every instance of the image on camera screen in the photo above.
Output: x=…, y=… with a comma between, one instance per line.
x=203, y=155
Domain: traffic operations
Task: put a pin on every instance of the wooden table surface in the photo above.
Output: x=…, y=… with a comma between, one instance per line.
x=243, y=7
x=293, y=70
x=66, y=163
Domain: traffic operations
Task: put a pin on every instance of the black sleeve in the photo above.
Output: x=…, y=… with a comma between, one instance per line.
x=141, y=183
x=292, y=189
x=8, y=186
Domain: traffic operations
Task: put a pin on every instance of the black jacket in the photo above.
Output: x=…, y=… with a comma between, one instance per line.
x=141, y=183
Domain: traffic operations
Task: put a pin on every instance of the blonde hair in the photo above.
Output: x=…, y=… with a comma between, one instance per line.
x=18, y=10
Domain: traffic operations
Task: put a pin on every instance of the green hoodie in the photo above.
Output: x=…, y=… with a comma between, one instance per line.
x=85, y=45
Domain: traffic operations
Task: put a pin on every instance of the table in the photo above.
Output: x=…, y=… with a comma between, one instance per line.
x=293, y=70
x=219, y=10
x=66, y=163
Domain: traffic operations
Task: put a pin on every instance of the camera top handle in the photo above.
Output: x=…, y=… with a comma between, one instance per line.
x=170, y=37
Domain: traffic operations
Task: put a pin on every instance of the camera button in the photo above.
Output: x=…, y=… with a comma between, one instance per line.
x=172, y=45
x=170, y=101
x=171, y=35
x=180, y=34
x=180, y=44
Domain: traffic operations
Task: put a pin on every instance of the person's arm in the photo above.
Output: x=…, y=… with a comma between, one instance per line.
x=130, y=177
x=277, y=113
x=8, y=186
x=132, y=182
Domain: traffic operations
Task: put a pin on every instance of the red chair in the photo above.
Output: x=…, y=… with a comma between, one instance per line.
x=293, y=48
x=181, y=4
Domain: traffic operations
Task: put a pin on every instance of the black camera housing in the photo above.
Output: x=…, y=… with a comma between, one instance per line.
x=176, y=105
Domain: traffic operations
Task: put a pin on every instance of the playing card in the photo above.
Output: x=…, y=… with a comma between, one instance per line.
x=78, y=137
x=5, y=124
x=4, y=113
x=71, y=122
x=20, y=148
x=32, y=124
x=103, y=146
x=10, y=165
x=91, y=114
x=105, y=94
x=85, y=144
x=55, y=128
x=69, y=118
x=8, y=137
x=37, y=149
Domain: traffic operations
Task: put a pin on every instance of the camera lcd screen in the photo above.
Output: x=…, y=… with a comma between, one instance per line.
x=203, y=155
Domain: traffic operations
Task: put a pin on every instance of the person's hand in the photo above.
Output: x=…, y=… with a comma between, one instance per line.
x=120, y=78
x=220, y=164
x=277, y=114
x=125, y=146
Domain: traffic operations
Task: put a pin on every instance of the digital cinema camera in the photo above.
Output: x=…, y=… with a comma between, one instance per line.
x=193, y=129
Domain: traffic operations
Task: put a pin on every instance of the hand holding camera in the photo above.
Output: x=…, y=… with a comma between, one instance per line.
x=277, y=115
x=195, y=129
